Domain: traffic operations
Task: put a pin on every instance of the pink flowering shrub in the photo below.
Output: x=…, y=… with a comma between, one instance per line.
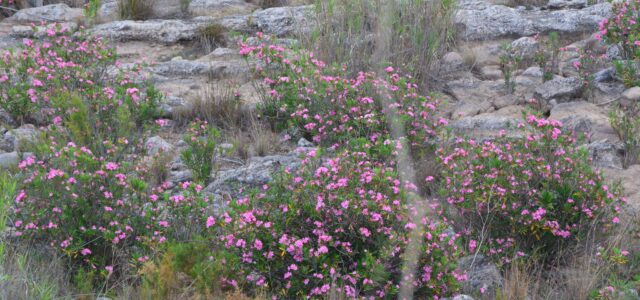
x=40, y=72
x=304, y=93
x=531, y=195
x=338, y=225
x=622, y=29
x=96, y=211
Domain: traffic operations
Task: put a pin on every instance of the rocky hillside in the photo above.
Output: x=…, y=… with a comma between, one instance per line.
x=509, y=58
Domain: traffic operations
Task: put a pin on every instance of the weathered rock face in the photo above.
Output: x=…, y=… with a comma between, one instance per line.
x=15, y=139
x=219, y=8
x=479, y=20
x=279, y=21
x=559, y=89
x=258, y=171
x=215, y=69
x=585, y=118
x=53, y=13
x=8, y=160
x=605, y=154
x=163, y=31
x=629, y=179
x=525, y=47
x=489, y=125
x=482, y=273
x=156, y=144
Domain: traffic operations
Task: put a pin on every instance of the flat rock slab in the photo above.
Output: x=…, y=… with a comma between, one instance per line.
x=480, y=20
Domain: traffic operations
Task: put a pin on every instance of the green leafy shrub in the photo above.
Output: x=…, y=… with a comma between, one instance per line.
x=625, y=121
x=509, y=63
x=534, y=195
x=547, y=56
x=627, y=71
x=63, y=78
x=199, y=156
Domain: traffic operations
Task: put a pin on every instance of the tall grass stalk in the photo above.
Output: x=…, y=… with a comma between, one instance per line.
x=345, y=33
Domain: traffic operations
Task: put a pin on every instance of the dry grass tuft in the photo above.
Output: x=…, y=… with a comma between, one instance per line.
x=218, y=104
x=135, y=9
x=212, y=36
x=418, y=33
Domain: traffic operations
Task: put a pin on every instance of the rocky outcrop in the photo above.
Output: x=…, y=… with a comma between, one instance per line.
x=489, y=125
x=50, y=13
x=559, y=89
x=215, y=69
x=585, y=118
x=258, y=171
x=482, y=274
x=480, y=20
x=163, y=31
x=278, y=21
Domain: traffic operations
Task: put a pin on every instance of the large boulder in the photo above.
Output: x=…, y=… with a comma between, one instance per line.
x=17, y=139
x=278, y=21
x=559, y=89
x=220, y=8
x=480, y=20
x=629, y=181
x=50, y=13
x=9, y=160
x=585, y=118
x=156, y=144
x=163, y=31
x=490, y=125
x=216, y=68
x=258, y=171
x=483, y=275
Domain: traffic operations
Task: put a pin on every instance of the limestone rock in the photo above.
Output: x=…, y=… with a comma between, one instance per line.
x=632, y=94
x=51, y=13
x=560, y=89
x=482, y=273
x=156, y=144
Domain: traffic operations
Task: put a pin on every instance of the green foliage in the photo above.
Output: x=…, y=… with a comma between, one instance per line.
x=186, y=267
x=509, y=63
x=340, y=223
x=625, y=121
x=547, y=56
x=91, y=9
x=199, y=155
x=628, y=72
x=7, y=194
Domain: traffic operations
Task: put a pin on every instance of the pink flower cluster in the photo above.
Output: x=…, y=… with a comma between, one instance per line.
x=336, y=224
x=537, y=192
x=334, y=109
x=622, y=28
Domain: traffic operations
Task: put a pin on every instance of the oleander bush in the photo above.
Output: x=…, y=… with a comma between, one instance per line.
x=334, y=110
x=622, y=28
x=337, y=226
x=43, y=80
x=535, y=195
